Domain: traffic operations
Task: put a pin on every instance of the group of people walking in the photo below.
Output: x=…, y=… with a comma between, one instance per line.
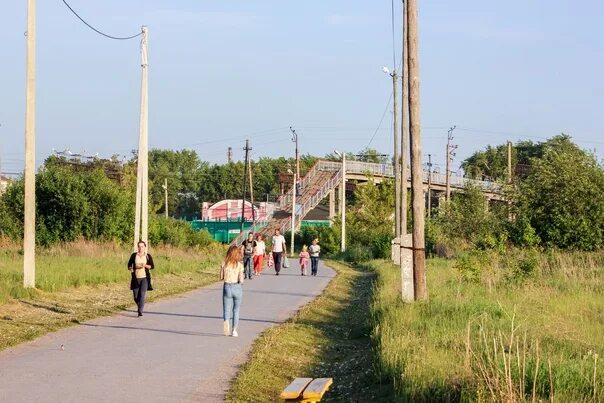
x=242, y=262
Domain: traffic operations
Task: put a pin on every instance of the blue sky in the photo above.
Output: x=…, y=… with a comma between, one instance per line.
x=221, y=72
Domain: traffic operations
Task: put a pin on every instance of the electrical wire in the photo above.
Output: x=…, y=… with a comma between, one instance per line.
x=381, y=120
x=119, y=38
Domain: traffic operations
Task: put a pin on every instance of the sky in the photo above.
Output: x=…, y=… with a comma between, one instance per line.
x=222, y=72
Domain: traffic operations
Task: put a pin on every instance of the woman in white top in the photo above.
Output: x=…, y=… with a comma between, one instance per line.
x=231, y=272
x=259, y=253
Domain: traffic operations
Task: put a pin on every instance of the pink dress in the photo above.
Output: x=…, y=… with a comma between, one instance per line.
x=304, y=258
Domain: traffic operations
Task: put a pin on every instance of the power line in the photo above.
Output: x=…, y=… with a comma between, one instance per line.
x=120, y=38
x=381, y=120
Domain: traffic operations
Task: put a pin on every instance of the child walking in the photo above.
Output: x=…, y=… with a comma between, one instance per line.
x=304, y=258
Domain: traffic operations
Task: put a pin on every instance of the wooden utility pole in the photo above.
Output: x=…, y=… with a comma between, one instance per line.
x=509, y=162
x=165, y=186
x=249, y=170
x=141, y=220
x=429, y=184
x=419, y=250
x=449, y=154
x=404, y=125
x=397, y=167
x=405, y=244
x=29, y=228
x=247, y=149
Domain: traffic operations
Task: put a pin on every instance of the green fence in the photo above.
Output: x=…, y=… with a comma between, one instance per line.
x=226, y=230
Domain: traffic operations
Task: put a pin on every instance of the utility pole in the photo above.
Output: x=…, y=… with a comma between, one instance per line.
x=142, y=172
x=230, y=155
x=29, y=228
x=165, y=186
x=509, y=162
x=419, y=250
x=249, y=170
x=343, y=204
x=404, y=126
x=396, y=162
x=397, y=167
x=405, y=241
x=450, y=154
x=293, y=219
x=295, y=140
x=247, y=149
x=429, y=184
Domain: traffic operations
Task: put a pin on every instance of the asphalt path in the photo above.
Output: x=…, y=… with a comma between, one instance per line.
x=176, y=352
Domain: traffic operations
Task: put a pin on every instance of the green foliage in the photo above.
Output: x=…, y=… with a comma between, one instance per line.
x=176, y=232
x=563, y=197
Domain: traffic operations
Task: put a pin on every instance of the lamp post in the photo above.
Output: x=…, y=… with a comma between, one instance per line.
x=293, y=220
x=295, y=140
x=343, y=200
x=397, y=169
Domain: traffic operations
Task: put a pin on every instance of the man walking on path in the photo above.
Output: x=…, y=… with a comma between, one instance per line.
x=278, y=249
x=314, y=251
x=248, y=255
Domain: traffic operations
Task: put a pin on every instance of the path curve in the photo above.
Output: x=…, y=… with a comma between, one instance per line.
x=175, y=353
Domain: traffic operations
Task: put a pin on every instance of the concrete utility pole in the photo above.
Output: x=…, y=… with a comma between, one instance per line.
x=342, y=201
x=230, y=155
x=429, y=184
x=404, y=126
x=397, y=169
x=450, y=154
x=419, y=250
x=293, y=219
x=165, y=186
x=295, y=140
x=29, y=228
x=141, y=225
x=247, y=149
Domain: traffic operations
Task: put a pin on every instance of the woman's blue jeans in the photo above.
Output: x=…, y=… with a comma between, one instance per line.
x=232, y=294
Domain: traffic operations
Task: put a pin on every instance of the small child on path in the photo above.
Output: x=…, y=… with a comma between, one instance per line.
x=304, y=258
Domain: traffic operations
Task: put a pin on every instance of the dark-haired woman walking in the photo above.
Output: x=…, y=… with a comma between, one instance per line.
x=139, y=264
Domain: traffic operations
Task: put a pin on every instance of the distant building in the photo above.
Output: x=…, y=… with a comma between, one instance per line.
x=4, y=182
x=231, y=210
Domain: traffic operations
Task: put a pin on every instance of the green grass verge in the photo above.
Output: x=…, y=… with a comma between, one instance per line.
x=539, y=340
x=330, y=337
x=74, y=285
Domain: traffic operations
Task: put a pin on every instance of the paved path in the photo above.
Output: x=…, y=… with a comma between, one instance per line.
x=176, y=352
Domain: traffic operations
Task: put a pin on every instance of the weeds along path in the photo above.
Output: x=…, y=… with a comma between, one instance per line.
x=329, y=337
x=175, y=352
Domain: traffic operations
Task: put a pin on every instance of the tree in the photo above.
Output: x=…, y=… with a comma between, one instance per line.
x=563, y=196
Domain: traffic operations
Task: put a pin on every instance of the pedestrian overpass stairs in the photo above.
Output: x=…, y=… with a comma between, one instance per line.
x=325, y=176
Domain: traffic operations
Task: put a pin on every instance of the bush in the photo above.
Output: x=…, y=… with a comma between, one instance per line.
x=356, y=254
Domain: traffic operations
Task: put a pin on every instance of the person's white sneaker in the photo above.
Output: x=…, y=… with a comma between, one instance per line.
x=226, y=328
x=235, y=334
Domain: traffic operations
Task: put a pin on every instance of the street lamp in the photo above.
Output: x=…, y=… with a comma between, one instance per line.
x=343, y=200
x=293, y=220
x=397, y=174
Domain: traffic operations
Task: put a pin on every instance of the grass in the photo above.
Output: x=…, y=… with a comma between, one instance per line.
x=507, y=332
x=83, y=280
x=330, y=337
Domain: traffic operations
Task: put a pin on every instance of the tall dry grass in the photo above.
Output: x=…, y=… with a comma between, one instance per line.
x=89, y=263
x=492, y=338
